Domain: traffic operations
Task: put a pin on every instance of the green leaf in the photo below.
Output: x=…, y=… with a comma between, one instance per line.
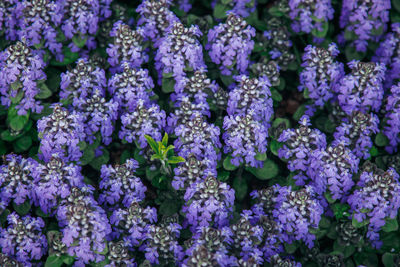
x=381, y=140
x=168, y=85
x=391, y=225
x=98, y=162
x=227, y=80
x=351, y=53
x=291, y=248
x=69, y=57
x=105, y=250
x=3, y=149
x=168, y=75
x=53, y=261
x=23, y=143
x=169, y=207
x=228, y=164
x=165, y=140
x=4, y=215
x=261, y=156
x=175, y=160
x=45, y=92
x=358, y=224
x=268, y=171
x=223, y=175
x=274, y=147
x=219, y=11
x=329, y=198
x=373, y=151
x=240, y=186
x=79, y=41
x=153, y=144
x=323, y=32
x=275, y=11
x=40, y=213
x=18, y=122
x=150, y=174
x=396, y=5
x=324, y=222
x=67, y=259
x=299, y=112
x=87, y=156
x=275, y=95
x=136, y=155
x=23, y=208
x=388, y=259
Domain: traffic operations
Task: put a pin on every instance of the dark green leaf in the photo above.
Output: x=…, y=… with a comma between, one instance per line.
x=140, y=159
x=358, y=224
x=53, y=261
x=23, y=208
x=3, y=149
x=168, y=85
x=6, y=136
x=169, y=207
x=291, y=248
x=227, y=80
x=351, y=53
x=268, y=171
x=175, y=160
x=329, y=198
x=4, y=215
x=388, y=259
x=153, y=144
x=323, y=32
x=18, y=122
x=150, y=174
x=373, y=151
x=220, y=11
x=69, y=260
x=69, y=57
x=40, y=213
x=275, y=11
x=274, y=146
x=223, y=175
x=299, y=112
x=44, y=91
x=78, y=41
x=23, y=143
x=240, y=186
x=87, y=157
x=391, y=225
x=165, y=140
x=275, y=95
x=228, y=164
x=168, y=75
x=381, y=140
x=98, y=162
x=261, y=156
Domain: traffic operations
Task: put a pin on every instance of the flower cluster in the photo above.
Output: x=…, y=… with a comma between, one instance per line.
x=321, y=73
x=119, y=183
x=364, y=21
x=230, y=44
x=392, y=129
x=362, y=89
x=375, y=200
x=21, y=73
x=23, y=238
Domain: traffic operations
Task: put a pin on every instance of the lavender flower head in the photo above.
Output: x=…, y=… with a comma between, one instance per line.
x=9, y=261
x=8, y=20
x=144, y=119
x=120, y=184
x=84, y=225
x=321, y=73
x=133, y=223
x=208, y=202
x=242, y=8
x=156, y=19
x=178, y=52
x=388, y=54
x=245, y=138
x=162, y=244
x=53, y=182
x=129, y=86
x=15, y=180
x=392, y=129
x=99, y=115
x=200, y=138
x=270, y=69
x=127, y=46
x=362, y=89
x=23, y=238
x=20, y=73
x=39, y=21
x=60, y=133
x=376, y=199
x=310, y=15
x=297, y=212
x=299, y=144
x=364, y=21
x=82, y=81
x=356, y=131
x=337, y=166
x=230, y=44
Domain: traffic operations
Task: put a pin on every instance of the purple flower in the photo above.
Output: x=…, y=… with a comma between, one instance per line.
x=119, y=255
x=269, y=69
x=321, y=73
x=144, y=119
x=129, y=86
x=200, y=138
x=392, y=128
x=119, y=183
x=179, y=52
x=23, y=238
x=81, y=82
x=280, y=262
x=20, y=74
x=297, y=212
x=376, y=199
x=203, y=256
x=362, y=89
x=364, y=21
x=38, y=25
x=16, y=181
x=310, y=16
x=208, y=202
x=356, y=131
x=53, y=182
x=84, y=225
x=388, y=54
x=133, y=223
x=299, y=144
x=184, y=5
x=156, y=19
x=230, y=44
x=9, y=18
x=9, y=261
x=60, y=133
x=126, y=48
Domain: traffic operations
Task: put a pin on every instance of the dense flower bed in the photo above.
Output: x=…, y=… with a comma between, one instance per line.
x=199, y=133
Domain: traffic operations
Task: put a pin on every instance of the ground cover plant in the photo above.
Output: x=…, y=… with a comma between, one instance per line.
x=199, y=133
